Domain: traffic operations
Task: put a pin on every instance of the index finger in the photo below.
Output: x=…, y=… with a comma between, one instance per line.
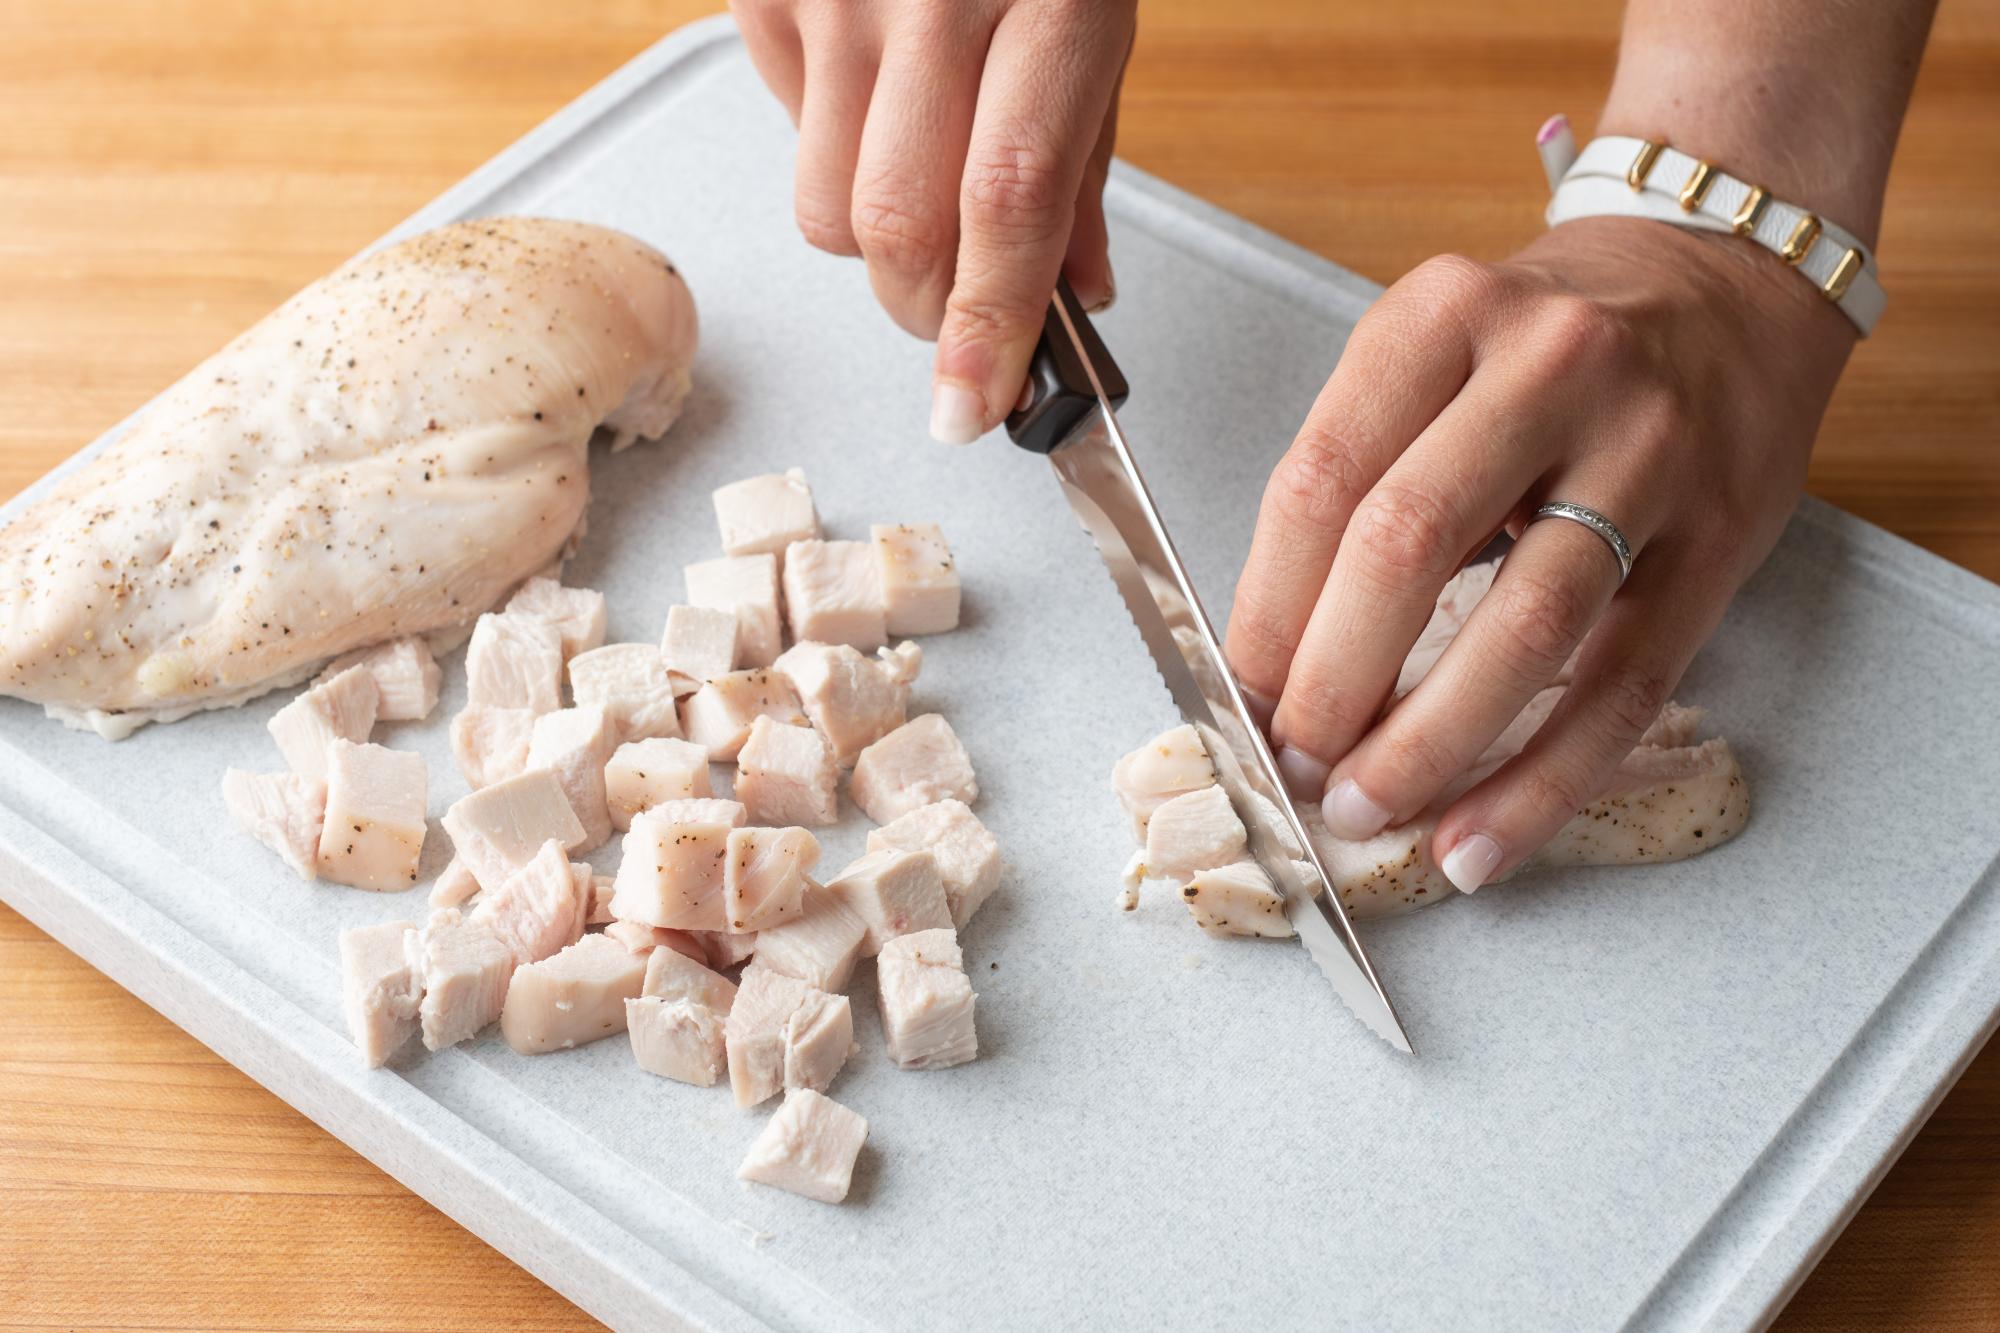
x=1041, y=106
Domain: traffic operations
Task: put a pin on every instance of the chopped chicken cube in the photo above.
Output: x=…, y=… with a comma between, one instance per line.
x=576, y=744
x=342, y=708
x=820, y=945
x=373, y=836
x=284, y=811
x=918, y=577
x=914, y=765
x=577, y=613
x=725, y=948
x=719, y=714
x=764, y=876
x=926, y=1001
x=748, y=586
x=642, y=774
x=537, y=909
x=786, y=775
x=464, y=968
x=1237, y=899
x=808, y=1148
x=1171, y=764
x=894, y=892
x=1198, y=830
x=675, y=976
x=672, y=874
x=378, y=989
x=514, y=661
x=641, y=938
x=677, y=1039
x=833, y=594
x=968, y=857
x=491, y=744
x=499, y=828
x=783, y=1033
x=631, y=683
x=853, y=700
x=455, y=886
x=571, y=998
x=903, y=663
x=764, y=515
x=406, y=678
x=677, y=1021
x=699, y=644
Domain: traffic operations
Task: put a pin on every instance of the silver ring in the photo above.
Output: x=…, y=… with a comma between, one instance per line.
x=1598, y=524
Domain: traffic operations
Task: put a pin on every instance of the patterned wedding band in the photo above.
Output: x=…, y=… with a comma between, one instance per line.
x=1598, y=524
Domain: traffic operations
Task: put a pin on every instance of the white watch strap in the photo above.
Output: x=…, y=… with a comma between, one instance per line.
x=1633, y=178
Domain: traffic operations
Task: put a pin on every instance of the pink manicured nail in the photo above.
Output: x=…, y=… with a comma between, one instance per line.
x=1468, y=864
x=1305, y=776
x=1349, y=813
x=958, y=415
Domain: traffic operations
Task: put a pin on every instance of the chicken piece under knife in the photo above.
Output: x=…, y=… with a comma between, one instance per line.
x=388, y=453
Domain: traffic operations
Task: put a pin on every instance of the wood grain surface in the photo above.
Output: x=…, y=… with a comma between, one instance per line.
x=172, y=169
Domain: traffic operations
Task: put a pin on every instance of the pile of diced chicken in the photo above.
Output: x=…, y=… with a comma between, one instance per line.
x=521, y=934
x=1673, y=797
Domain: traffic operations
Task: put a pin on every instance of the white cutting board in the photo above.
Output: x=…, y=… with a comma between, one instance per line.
x=1643, y=1099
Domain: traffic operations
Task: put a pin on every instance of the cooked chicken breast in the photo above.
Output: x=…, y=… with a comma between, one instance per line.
x=388, y=453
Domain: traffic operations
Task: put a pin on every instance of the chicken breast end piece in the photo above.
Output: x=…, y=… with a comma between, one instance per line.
x=1172, y=764
x=1237, y=899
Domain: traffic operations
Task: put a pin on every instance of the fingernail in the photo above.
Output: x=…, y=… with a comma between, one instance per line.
x=1468, y=864
x=1027, y=398
x=1262, y=706
x=1305, y=776
x=958, y=415
x=1104, y=302
x=1349, y=813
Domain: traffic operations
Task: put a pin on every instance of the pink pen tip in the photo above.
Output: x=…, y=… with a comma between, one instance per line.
x=1551, y=127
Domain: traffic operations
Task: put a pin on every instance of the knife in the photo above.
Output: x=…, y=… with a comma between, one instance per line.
x=1069, y=412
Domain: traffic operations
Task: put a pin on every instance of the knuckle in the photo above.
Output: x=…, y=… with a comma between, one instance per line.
x=1402, y=532
x=1318, y=480
x=1575, y=332
x=1455, y=280
x=1538, y=622
x=1013, y=188
x=824, y=229
x=1631, y=695
x=1416, y=756
x=1556, y=790
x=899, y=235
x=972, y=316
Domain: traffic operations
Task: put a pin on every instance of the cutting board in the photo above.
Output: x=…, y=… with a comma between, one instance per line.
x=1643, y=1099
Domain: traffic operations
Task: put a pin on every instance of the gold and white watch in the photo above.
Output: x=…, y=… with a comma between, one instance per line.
x=1622, y=177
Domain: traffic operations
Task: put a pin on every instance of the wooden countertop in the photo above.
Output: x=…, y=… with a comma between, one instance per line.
x=172, y=169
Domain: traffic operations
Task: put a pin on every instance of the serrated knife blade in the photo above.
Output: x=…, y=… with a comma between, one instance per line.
x=1071, y=416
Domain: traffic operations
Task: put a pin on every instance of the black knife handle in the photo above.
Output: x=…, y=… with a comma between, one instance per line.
x=1060, y=393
